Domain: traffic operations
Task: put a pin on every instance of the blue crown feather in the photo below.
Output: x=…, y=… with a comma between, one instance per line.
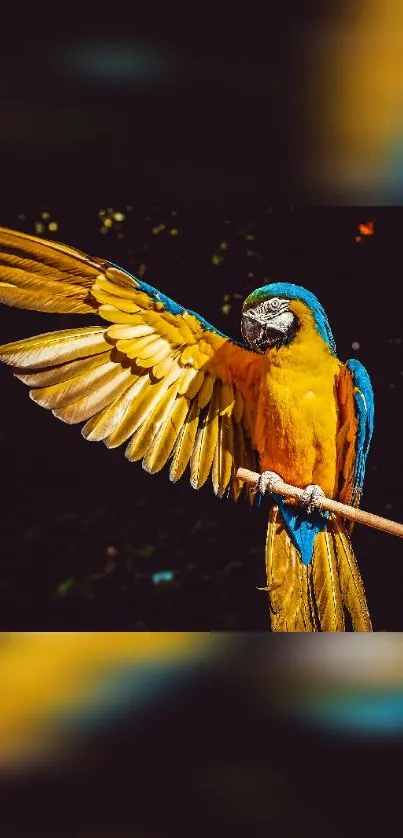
x=296, y=292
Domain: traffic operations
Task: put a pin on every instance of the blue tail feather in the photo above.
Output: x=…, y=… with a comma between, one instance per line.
x=301, y=526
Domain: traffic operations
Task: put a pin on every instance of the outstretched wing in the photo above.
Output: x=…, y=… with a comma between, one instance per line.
x=46, y=276
x=356, y=404
x=160, y=378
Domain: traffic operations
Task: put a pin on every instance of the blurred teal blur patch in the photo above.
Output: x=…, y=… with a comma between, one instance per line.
x=350, y=684
x=363, y=714
x=392, y=175
x=163, y=576
x=116, y=63
x=127, y=689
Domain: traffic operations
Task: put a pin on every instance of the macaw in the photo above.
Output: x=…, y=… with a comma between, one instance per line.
x=161, y=379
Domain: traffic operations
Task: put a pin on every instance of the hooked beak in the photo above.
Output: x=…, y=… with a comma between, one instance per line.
x=256, y=332
x=262, y=334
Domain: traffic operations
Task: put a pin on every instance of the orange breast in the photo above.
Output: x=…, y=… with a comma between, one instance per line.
x=298, y=415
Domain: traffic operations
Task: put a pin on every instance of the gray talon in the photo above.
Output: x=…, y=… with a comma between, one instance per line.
x=267, y=481
x=312, y=494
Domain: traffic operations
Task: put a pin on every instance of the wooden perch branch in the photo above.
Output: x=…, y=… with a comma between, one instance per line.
x=342, y=509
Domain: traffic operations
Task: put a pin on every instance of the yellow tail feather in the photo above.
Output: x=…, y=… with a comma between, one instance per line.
x=288, y=580
x=352, y=588
x=314, y=597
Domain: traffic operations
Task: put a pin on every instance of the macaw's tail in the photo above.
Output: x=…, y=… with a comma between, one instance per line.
x=314, y=597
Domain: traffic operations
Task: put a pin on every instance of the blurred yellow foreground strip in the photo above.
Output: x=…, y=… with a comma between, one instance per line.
x=43, y=674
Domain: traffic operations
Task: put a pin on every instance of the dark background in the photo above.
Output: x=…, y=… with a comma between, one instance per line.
x=204, y=114
x=201, y=106
x=200, y=121
x=197, y=105
x=83, y=531
x=216, y=756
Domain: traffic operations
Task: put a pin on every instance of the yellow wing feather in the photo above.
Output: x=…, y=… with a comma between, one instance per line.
x=206, y=441
x=45, y=276
x=143, y=439
x=223, y=456
x=185, y=442
x=326, y=583
x=55, y=348
x=166, y=436
x=154, y=376
x=115, y=424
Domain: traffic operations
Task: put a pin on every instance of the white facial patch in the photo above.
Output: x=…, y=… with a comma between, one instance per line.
x=281, y=322
x=272, y=312
x=267, y=310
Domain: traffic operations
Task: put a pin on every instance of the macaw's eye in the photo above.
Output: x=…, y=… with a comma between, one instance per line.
x=275, y=304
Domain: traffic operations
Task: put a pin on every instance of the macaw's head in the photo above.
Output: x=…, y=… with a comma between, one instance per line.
x=274, y=314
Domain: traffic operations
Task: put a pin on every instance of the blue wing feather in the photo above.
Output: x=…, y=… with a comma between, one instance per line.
x=364, y=410
x=175, y=308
